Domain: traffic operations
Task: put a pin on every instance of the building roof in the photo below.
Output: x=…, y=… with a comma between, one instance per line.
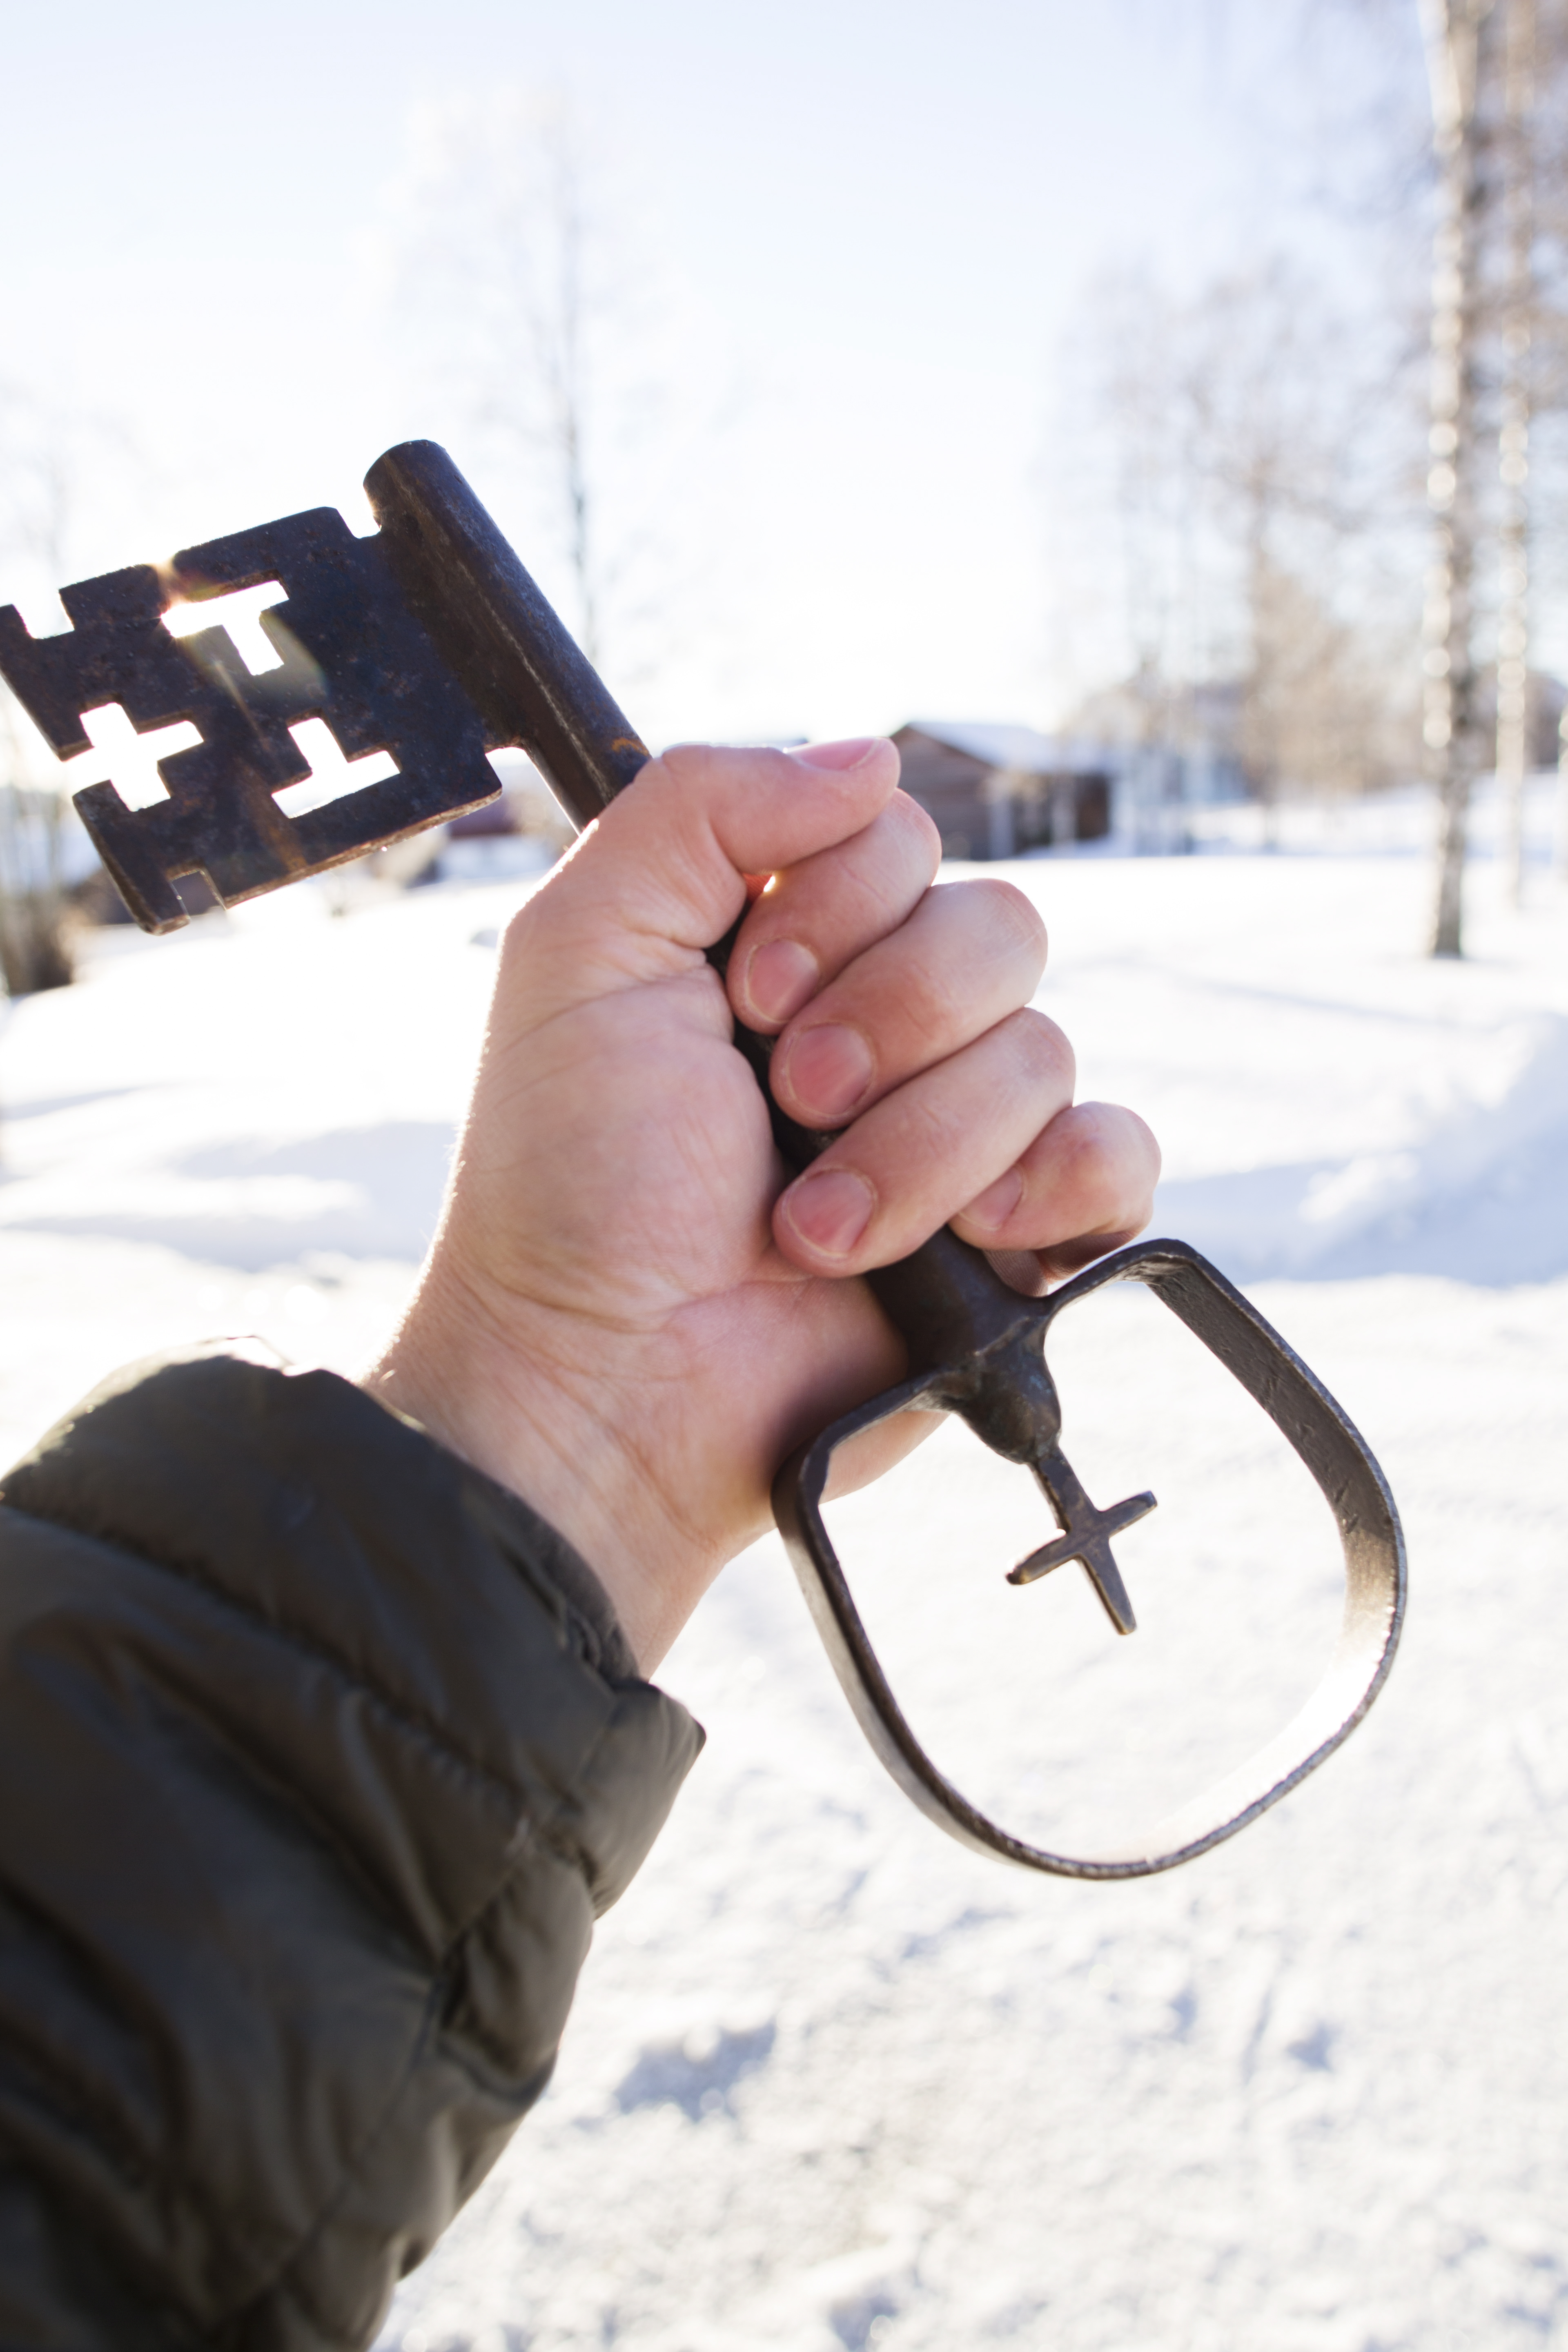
x=1000, y=745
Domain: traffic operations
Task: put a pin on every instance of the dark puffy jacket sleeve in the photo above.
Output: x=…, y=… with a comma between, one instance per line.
x=318, y=1753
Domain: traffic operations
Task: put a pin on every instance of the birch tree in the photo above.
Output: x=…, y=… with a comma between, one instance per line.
x=1513, y=431
x=1540, y=305
x=1462, y=42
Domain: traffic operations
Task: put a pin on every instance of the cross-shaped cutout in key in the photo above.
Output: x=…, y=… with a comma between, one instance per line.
x=252, y=630
x=122, y=756
x=129, y=761
x=1086, y=1537
x=332, y=777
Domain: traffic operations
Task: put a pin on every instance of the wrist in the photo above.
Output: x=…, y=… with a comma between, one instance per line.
x=527, y=1412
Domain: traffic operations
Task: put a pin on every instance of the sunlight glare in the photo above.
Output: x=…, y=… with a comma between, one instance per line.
x=240, y=614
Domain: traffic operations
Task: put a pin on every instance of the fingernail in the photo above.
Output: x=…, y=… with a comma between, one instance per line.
x=828, y=1069
x=830, y=1208
x=992, y=1207
x=848, y=754
x=781, y=977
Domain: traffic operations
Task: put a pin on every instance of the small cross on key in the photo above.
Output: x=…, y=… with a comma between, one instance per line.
x=1085, y=1538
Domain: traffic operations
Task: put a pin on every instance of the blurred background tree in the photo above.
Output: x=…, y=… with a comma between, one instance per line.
x=1236, y=466
x=35, y=484
x=1497, y=71
x=520, y=300
x=1249, y=445
x=1462, y=40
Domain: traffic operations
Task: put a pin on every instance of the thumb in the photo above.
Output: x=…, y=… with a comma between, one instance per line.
x=661, y=875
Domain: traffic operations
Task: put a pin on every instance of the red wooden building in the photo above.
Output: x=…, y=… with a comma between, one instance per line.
x=994, y=791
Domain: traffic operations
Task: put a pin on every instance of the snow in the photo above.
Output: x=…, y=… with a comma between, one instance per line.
x=831, y=2081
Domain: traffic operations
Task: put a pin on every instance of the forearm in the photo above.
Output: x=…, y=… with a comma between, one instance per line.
x=321, y=1753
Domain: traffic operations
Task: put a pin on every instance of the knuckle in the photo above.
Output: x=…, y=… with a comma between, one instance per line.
x=676, y=756
x=518, y=930
x=1092, y=1175
x=705, y=767
x=675, y=761
x=888, y=867
x=937, y=1130
x=1147, y=1147
x=1045, y=1051
x=971, y=938
x=1013, y=921
x=938, y=998
x=1111, y=1166
x=920, y=828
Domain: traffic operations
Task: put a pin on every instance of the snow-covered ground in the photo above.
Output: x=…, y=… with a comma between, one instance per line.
x=831, y=2081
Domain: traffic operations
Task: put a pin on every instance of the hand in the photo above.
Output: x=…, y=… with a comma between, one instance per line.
x=629, y=1316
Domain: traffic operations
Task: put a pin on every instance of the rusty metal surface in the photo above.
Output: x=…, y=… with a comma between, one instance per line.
x=504, y=643
x=351, y=654
x=431, y=642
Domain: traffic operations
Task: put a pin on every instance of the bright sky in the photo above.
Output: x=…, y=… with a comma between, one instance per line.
x=873, y=218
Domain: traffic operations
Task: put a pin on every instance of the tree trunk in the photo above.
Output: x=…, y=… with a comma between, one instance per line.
x=1513, y=445
x=34, y=953
x=34, y=916
x=1460, y=41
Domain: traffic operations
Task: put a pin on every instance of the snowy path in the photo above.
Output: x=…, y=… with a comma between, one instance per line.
x=831, y=2081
